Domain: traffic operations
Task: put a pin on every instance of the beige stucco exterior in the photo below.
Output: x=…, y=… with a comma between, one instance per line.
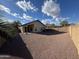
x=74, y=33
x=21, y=29
x=37, y=27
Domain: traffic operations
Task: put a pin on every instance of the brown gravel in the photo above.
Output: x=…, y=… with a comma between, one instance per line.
x=59, y=46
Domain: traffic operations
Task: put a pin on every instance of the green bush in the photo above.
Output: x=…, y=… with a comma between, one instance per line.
x=64, y=23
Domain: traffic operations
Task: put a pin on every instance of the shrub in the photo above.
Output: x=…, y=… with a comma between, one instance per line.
x=64, y=23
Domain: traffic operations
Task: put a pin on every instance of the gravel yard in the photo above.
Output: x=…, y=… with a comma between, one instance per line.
x=58, y=46
x=48, y=45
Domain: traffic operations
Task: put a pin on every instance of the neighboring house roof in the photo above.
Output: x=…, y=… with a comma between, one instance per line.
x=33, y=22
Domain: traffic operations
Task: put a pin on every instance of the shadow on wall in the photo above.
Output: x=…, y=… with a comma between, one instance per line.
x=16, y=48
x=72, y=50
x=74, y=33
x=50, y=32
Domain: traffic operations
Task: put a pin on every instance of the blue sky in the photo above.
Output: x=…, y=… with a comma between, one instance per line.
x=47, y=11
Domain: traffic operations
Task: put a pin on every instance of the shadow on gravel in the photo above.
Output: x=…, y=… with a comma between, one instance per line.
x=15, y=47
x=50, y=32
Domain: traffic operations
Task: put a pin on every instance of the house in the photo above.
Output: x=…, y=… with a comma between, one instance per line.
x=34, y=26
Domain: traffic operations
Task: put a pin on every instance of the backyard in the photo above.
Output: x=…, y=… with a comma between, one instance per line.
x=51, y=44
x=54, y=46
x=39, y=29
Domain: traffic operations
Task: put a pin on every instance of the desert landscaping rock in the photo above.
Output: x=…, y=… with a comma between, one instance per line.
x=58, y=46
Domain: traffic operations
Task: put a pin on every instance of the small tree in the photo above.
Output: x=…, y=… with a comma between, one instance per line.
x=50, y=26
x=3, y=28
x=16, y=24
x=53, y=25
x=64, y=23
x=1, y=22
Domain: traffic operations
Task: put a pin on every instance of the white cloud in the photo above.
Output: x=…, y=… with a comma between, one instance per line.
x=14, y=14
x=62, y=18
x=47, y=21
x=59, y=19
x=26, y=5
x=7, y=10
x=3, y=8
x=23, y=17
x=56, y=21
x=26, y=17
x=51, y=8
x=6, y=19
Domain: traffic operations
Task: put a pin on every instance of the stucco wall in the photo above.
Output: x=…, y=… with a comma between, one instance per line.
x=74, y=33
x=62, y=29
x=38, y=26
x=21, y=29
